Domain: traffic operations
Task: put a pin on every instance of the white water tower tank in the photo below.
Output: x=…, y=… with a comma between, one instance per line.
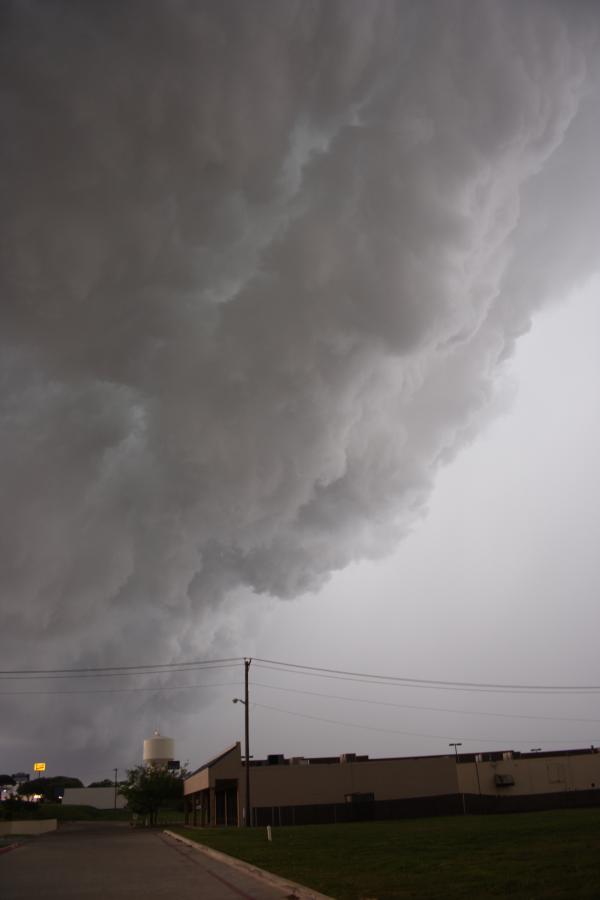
x=158, y=750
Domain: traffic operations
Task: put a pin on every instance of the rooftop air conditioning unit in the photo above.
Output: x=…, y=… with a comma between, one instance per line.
x=347, y=757
x=275, y=759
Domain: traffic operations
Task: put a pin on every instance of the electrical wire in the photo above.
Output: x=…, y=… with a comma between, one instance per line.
x=108, y=674
x=426, y=687
x=467, y=712
x=156, y=689
x=443, y=737
x=369, y=701
x=370, y=678
x=199, y=663
x=291, y=668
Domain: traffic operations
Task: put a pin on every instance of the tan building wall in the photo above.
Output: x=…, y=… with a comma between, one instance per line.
x=208, y=791
x=387, y=779
x=532, y=774
x=216, y=793
x=227, y=765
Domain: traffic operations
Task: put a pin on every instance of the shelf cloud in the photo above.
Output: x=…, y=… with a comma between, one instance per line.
x=262, y=265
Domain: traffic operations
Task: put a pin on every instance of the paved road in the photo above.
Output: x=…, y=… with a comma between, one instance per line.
x=110, y=861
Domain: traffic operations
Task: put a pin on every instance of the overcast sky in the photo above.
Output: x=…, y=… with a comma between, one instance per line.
x=299, y=349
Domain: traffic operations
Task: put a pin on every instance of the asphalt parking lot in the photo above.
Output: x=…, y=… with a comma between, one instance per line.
x=111, y=861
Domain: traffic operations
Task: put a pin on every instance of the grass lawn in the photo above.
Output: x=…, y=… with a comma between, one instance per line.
x=69, y=813
x=529, y=856
x=75, y=813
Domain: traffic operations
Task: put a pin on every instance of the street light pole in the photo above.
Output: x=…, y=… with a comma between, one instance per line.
x=456, y=745
x=246, y=703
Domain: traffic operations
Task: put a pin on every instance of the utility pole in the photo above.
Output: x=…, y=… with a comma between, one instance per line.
x=247, y=729
x=116, y=771
x=246, y=702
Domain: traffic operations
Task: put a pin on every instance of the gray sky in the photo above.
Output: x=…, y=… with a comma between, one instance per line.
x=266, y=384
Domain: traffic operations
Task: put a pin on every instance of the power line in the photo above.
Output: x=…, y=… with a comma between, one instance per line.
x=321, y=671
x=442, y=737
x=467, y=712
x=156, y=689
x=369, y=701
x=292, y=668
x=427, y=687
x=127, y=674
x=198, y=662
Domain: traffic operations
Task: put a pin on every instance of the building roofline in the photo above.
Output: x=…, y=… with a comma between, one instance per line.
x=462, y=757
x=214, y=760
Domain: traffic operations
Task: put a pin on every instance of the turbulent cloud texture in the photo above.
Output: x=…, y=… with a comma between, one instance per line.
x=261, y=265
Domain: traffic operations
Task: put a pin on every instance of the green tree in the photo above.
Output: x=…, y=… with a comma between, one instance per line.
x=148, y=789
x=6, y=780
x=106, y=782
x=51, y=789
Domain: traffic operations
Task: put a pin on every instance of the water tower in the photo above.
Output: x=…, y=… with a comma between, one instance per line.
x=158, y=750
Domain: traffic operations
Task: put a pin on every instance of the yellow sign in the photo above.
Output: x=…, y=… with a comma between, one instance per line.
x=39, y=767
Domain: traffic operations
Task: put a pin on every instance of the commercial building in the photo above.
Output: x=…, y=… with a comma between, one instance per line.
x=300, y=790
x=536, y=780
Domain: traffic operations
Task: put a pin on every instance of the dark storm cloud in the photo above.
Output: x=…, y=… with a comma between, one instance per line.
x=261, y=265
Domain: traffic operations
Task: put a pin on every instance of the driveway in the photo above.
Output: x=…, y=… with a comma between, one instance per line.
x=111, y=861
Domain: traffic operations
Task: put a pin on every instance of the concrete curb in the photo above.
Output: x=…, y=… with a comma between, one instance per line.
x=291, y=888
x=9, y=847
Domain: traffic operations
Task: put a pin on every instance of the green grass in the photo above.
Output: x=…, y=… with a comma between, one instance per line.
x=77, y=813
x=531, y=856
x=170, y=817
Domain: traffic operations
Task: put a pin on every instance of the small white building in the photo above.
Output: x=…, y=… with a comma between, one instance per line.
x=98, y=797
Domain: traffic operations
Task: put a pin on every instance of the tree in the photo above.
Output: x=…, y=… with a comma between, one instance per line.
x=51, y=789
x=149, y=789
x=6, y=781
x=106, y=782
